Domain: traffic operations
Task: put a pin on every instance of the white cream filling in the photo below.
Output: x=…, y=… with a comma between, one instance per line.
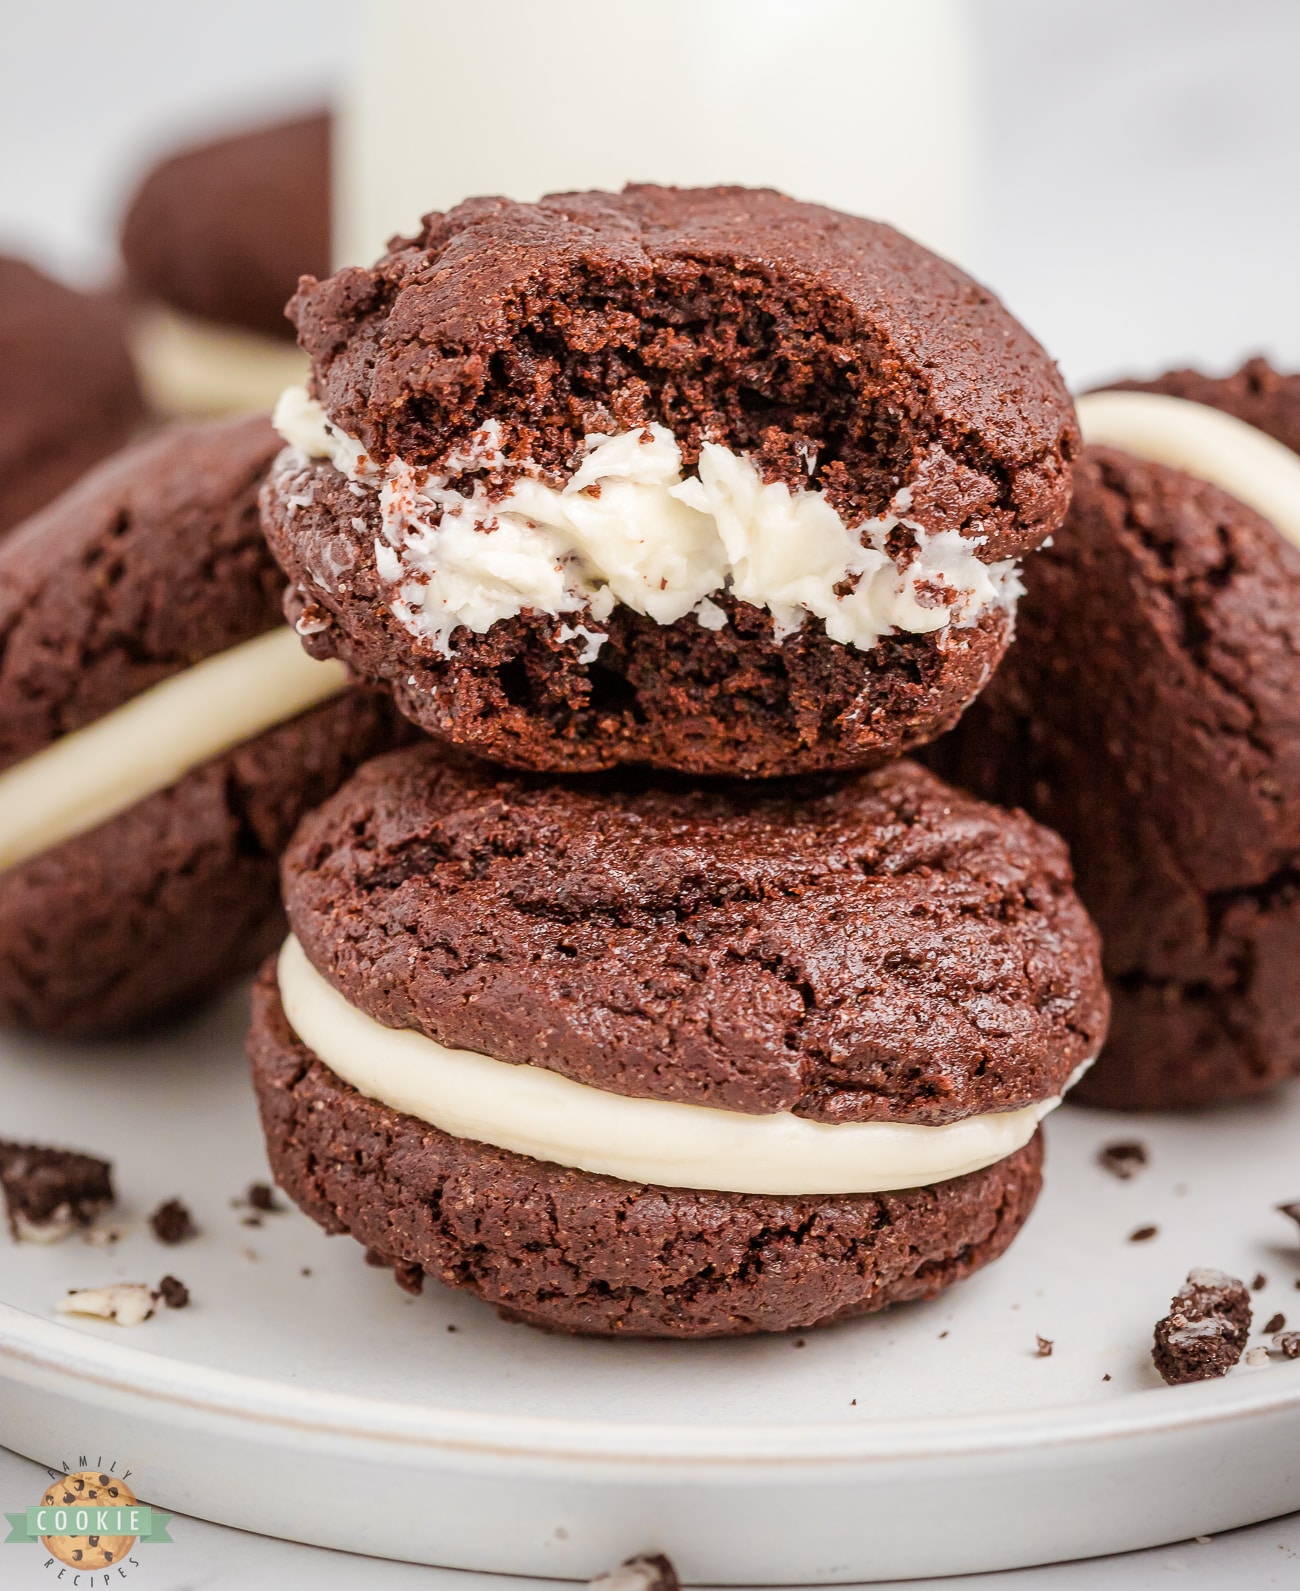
x=1238, y=458
x=535, y=1112
x=629, y=527
x=196, y=368
x=92, y=774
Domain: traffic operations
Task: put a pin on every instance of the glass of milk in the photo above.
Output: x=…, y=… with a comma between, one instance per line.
x=865, y=105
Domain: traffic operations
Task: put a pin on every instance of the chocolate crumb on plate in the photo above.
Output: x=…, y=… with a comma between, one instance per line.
x=1106, y=1377
x=173, y=1292
x=1275, y=1324
x=261, y=1196
x=1143, y=1234
x=1124, y=1159
x=646, y=1572
x=1287, y=1343
x=172, y=1222
x=1260, y=1282
x=1205, y=1331
x=48, y=1192
x=1045, y=1347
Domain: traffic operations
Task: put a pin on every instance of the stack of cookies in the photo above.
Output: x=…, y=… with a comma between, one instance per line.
x=650, y=992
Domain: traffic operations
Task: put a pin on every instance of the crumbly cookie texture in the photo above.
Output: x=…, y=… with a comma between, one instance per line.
x=1205, y=1331
x=851, y=374
x=879, y=947
x=573, y=1252
x=49, y=1193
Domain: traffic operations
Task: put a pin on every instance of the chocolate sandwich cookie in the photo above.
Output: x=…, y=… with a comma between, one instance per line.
x=705, y=479
x=159, y=736
x=68, y=392
x=1150, y=712
x=638, y=1059
x=214, y=242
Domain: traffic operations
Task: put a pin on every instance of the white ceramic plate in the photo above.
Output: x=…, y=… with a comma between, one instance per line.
x=331, y=1408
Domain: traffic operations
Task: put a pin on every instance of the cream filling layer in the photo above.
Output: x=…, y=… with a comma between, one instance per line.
x=1238, y=458
x=630, y=527
x=538, y=1113
x=92, y=774
x=196, y=368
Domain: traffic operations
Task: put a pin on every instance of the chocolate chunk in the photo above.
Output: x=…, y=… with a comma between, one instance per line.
x=1275, y=1324
x=48, y=1192
x=1260, y=1282
x=261, y=1196
x=1143, y=1234
x=649, y=1572
x=1124, y=1159
x=172, y=1222
x=1205, y=1332
x=173, y=1293
x=1045, y=1347
x=1287, y=1343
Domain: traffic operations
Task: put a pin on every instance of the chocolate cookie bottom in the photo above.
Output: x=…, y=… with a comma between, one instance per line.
x=569, y=1251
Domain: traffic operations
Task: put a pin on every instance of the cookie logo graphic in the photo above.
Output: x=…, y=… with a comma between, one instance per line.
x=90, y=1489
x=89, y=1519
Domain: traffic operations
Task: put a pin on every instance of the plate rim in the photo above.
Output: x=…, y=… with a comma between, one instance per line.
x=34, y=1350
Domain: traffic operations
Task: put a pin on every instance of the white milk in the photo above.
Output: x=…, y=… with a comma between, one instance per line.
x=860, y=104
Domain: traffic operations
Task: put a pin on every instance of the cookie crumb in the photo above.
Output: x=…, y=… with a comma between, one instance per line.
x=451, y=1328
x=800, y=1342
x=1045, y=1347
x=1275, y=1324
x=172, y=1222
x=1123, y=1159
x=1205, y=1332
x=1254, y=1357
x=50, y=1192
x=943, y=1334
x=1260, y=1282
x=1106, y=1377
x=1287, y=1343
x=173, y=1292
x=647, y=1572
x=261, y=1196
x=124, y=1303
x=1143, y=1234
x=853, y=1403
x=305, y=1271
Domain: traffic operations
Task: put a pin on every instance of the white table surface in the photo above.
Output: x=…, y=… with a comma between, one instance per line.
x=1138, y=210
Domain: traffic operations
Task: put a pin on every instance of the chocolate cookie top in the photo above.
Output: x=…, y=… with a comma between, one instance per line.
x=1257, y=394
x=68, y=393
x=224, y=231
x=152, y=562
x=827, y=347
x=1186, y=604
x=881, y=948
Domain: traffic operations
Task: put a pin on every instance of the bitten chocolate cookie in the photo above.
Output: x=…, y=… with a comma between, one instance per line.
x=223, y=231
x=158, y=739
x=704, y=479
x=1150, y=712
x=632, y=1058
x=68, y=393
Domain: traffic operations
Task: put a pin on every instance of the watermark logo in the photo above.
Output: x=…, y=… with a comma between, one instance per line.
x=91, y=1521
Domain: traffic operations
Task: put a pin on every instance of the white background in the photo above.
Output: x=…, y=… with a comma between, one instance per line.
x=1137, y=207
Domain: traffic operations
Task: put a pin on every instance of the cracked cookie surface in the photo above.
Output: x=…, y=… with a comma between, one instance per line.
x=877, y=947
x=1150, y=712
